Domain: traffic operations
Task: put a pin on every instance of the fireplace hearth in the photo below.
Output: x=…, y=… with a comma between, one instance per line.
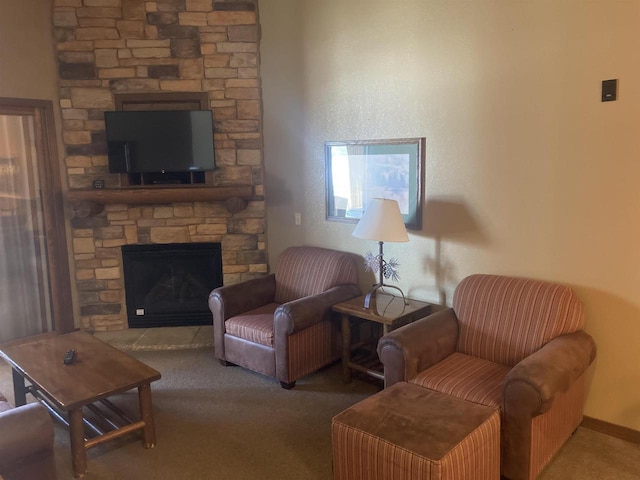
x=169, y=284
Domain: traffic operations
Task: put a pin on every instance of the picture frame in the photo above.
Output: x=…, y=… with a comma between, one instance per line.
x=357, y=171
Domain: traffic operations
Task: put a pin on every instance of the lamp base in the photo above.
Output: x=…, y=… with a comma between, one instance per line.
x=375, y=288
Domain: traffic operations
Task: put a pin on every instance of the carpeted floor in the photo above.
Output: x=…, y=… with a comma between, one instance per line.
x=216, y=422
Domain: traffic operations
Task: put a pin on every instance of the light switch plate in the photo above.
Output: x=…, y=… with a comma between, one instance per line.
x=609, y=90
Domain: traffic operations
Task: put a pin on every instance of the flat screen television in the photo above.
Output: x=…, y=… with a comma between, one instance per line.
x=160, y=141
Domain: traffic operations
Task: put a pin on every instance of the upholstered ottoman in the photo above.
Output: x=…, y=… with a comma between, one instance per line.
x=409, y=432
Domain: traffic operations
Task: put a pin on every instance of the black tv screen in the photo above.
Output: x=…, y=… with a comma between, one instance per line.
x=160, y=141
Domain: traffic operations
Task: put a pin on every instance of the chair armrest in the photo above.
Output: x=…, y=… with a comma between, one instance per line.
x=299, y=314
x=231, y=300
x=530, y=386
x=26, y=439
x=415, y=347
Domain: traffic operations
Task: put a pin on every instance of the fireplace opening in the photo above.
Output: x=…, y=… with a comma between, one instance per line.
x=169, y=284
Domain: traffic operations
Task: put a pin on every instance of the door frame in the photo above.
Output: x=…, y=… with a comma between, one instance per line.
x=52, y=204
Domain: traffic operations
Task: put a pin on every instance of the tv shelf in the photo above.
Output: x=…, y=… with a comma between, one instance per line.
x=85, y=201
x=167, y=178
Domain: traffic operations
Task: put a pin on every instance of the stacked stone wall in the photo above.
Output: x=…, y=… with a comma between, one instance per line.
x=107, y=47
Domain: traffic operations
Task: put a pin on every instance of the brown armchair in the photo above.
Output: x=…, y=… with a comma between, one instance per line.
x=281, y=324
x=26, y=442
x=510, y=343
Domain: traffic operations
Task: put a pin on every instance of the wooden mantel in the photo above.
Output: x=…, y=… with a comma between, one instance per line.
x=88, y=202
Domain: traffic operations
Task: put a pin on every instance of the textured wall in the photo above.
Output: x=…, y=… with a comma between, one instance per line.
x=27, y=51
x=527, y=172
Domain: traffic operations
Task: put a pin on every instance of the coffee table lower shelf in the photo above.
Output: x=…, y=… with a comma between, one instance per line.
x=102, y=425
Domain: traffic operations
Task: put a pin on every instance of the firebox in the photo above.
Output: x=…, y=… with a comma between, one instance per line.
x=169, y=284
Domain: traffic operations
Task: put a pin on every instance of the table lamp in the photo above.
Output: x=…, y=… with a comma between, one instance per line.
x=383, y=222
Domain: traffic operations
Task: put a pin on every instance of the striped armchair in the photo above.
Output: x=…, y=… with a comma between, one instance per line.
x=281, y=324
x=513, y=344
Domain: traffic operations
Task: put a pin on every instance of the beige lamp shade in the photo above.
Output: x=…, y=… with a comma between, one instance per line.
x=382, y=221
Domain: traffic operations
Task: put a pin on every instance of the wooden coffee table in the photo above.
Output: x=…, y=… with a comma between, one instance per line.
x=76, y=394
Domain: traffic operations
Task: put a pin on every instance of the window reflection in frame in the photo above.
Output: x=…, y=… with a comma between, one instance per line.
x=357, y=171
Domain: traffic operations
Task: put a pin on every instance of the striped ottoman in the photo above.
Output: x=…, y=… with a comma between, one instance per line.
x=409, y=432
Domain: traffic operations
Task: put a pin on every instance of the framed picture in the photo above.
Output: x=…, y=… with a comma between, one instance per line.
x=357, y=171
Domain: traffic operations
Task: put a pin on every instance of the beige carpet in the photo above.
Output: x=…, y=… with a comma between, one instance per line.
x=217, y=422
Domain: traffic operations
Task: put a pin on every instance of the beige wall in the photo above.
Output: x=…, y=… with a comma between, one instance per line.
x=527, y=172
x=27, y=63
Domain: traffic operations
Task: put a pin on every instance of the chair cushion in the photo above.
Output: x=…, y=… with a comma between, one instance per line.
x=254, y=326
x=505, y=319
x=466, y=377
x=304, y=271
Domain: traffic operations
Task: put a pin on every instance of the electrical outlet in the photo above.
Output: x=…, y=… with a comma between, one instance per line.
x=298, y=218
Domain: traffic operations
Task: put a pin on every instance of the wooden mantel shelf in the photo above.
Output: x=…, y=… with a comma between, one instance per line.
x=85, y=201
x=142, y=195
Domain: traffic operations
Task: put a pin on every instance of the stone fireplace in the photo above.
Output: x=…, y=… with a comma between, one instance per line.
x=166, y=48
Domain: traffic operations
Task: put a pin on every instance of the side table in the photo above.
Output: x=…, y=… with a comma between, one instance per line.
x=389, y=310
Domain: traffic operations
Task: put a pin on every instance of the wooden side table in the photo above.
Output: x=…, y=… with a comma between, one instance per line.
x=389, y=310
